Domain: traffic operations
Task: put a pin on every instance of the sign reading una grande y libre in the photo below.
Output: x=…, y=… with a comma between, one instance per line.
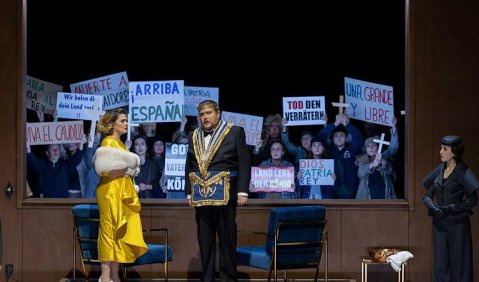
x=369, y=101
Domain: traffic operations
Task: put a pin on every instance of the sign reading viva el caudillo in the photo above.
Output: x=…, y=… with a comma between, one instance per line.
x=369, y=102
x=156, y=101
x=252, y=125
x=63, y=132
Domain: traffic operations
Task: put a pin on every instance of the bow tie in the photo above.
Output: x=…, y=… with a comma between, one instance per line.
x=206, y=133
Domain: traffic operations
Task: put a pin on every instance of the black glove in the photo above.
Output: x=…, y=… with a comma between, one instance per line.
x=432, y=209
x=447, y=210
x=436, y=212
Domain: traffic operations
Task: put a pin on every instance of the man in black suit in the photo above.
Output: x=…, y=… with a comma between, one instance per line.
x=217, y=179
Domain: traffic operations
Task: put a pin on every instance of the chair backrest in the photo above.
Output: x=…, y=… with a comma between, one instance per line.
x=86, y=219
x=300, y=234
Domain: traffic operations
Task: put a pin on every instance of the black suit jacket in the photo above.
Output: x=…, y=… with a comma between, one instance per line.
x=232, y=155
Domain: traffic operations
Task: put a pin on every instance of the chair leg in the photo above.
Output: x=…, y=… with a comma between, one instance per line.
x=85, y=272
x=166, y=269
x=74, y=255
x=285, y=278
x=269, y=275
x=125, y=269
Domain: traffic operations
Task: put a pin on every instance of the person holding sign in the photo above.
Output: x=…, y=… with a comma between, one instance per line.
x=53, y=174
x=271, y=133
x=316, y=191
x=277, y=154
x=343, y=143
x=375, y=169
x=149, y=178
x=453, y=186
x=299, y=152
x=120, y=238
x=217, y=175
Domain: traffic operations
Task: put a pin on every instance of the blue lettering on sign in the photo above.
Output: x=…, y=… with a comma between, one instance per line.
x=353, y=90
x=162, y=88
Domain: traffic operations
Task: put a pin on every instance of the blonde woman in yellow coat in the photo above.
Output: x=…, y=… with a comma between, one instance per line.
x=120, y=238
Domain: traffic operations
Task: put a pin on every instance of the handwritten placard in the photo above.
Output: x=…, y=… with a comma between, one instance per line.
x=175, y=160
x=63, y=132
x=304, y=110
x=41, y=95
x=195, y=95
x=369, y=101
x=156, y=101
x=113, y=88
x=252, y=125
x=79, y=106
x=272, y=179
x=316, y=171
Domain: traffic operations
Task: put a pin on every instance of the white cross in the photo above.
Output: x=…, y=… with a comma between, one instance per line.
x=340, y=104
x=381, y=142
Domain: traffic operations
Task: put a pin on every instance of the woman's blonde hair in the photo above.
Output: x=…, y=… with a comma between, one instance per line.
x=106, y=123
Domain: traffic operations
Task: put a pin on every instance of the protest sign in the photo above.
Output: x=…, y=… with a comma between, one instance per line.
x=79, y=106
x=41, y=95
x=304, y=110
x=272, y=179
x=316, y=171
x=252, y=125
x=195, y=95
x=175, y=159
x=369, y=102
x=63, y=132
x=113, y=88
x=156, y=101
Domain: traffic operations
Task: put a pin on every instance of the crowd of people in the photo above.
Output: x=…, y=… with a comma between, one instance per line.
x=360, y=171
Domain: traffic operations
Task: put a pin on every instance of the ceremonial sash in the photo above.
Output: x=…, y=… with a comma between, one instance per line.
x=209, y=188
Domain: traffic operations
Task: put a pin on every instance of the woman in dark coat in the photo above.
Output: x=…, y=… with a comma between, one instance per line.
x=451, y=194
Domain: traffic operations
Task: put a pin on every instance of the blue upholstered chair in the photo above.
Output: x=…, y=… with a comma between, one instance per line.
x=85, y=231
x=295, y=239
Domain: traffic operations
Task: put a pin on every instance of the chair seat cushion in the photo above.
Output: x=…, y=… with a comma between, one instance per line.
x=86, y=211
x=155, y=254
x=253, y=256
x=257, y=257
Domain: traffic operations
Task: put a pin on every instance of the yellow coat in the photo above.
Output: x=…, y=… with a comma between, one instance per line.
x=120, y=238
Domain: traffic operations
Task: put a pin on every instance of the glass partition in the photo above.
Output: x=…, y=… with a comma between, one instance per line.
x=249, y=56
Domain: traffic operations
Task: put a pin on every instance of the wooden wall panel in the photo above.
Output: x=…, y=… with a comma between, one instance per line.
x=47, y=243
x=362, y=229
x=443, y=98
x=446, y=64
x=9, y=70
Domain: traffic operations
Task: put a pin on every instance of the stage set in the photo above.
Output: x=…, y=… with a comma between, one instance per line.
x=250, y=57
